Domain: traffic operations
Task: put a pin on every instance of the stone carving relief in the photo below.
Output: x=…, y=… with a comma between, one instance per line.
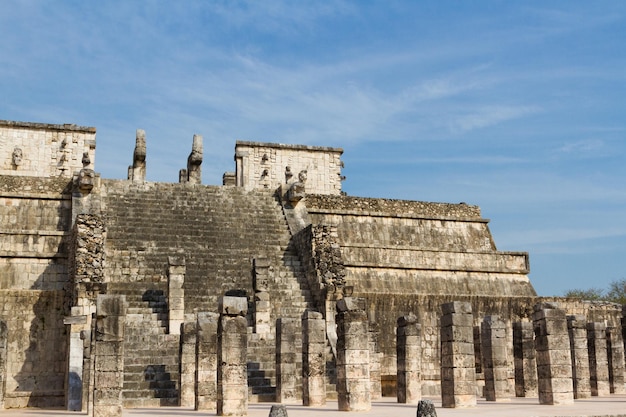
x=17, y=157
x=297, y=190
x=86, y=176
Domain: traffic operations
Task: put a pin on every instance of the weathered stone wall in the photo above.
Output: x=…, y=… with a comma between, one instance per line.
x=35, y=215
x=426, y=248
x=263, y=165
x=321, y=256
x=36, y=357
x=46, y=150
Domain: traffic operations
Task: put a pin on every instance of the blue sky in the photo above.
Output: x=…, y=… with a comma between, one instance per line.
x=518, y=107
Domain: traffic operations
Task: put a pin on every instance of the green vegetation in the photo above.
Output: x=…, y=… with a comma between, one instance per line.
x=616, y=293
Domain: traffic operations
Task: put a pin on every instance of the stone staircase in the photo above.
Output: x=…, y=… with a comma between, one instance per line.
x=151, y=356
x=219, y=231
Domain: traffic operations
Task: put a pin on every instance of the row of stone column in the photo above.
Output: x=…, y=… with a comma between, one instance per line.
x=566, y=356
x=557, y=357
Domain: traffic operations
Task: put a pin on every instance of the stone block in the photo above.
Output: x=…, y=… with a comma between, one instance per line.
x=110, y=305
x=312, y=315
x=407, y=320
x=457, y=334
x=466, y=320
x=350, y=304
x=461, y=307
x=233, y=306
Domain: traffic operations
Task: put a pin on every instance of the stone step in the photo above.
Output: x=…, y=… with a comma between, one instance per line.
x=149, y=402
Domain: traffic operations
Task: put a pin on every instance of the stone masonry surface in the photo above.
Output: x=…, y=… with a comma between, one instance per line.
x=286, y=243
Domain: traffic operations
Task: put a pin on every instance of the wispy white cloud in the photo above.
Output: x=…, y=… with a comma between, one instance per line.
x=490, y=115
x=582, y=146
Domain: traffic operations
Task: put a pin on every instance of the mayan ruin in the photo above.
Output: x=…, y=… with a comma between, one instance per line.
x=274, y=286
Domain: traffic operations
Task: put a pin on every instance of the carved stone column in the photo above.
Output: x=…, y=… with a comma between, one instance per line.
x=615, y=346
x=109, y=361
x=188, y=341
x=206, y=361
x=524, y=359
x=4, y=334
x=577, y=328
x=495, y=360
x=313, y=359
x=262, y=307
x=458, y=372
x=287, y=391
x=409, y=361
x=598, y=359
x=232, y=376
x=176, y=293
x=554, y=363
x=375, y=355
x=86, y=267
x=353, y=378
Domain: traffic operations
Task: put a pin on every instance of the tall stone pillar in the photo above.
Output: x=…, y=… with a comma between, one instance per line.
x=624, y=326
x=232, y=341
x=206, y=361
x=615, y=348
x=287, y=390
x=176, y=293
x=262, y=308
x=109, y=361
x=88, y=338
x=4, y=334
x=137, y=171
x=495, y=359
x=524, y=358
x=313, y=359
x=577, y=329
x=194, y=161
x=458, y=372
x=375, y=356
x=598, y=359
x=188, y=342
x=353, y=373
x=86, y=271
x=74, y=392
x=554, y=363
x=409, y=359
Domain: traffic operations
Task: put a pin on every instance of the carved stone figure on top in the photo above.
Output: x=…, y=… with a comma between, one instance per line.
x=137, y=172
x=288, y=174
x=86, y=176
x=86, y=160
x=194, y=161
x=297, y=189
x=17, y=157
